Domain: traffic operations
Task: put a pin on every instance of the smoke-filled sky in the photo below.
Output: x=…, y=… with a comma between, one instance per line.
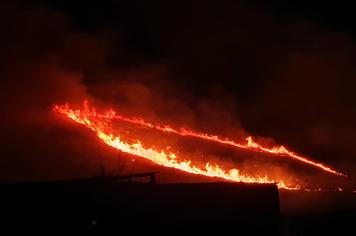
x=281, y=72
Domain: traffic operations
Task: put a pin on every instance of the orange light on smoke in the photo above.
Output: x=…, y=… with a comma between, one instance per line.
x=249, y=145
x=98, y=124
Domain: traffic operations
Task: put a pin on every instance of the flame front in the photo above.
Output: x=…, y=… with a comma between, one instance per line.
x=249, y=145
x=98, y=124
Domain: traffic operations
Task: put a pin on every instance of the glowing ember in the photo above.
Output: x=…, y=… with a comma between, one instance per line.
x=249, y=145
x=99, y=125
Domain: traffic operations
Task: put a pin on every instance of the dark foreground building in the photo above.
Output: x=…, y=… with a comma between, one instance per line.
x=112, y=206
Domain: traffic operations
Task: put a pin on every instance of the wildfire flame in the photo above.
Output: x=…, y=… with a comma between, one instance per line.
x=249, y=145
x=99, y=126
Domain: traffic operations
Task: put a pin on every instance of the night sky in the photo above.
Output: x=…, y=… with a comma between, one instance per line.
x=283, y=71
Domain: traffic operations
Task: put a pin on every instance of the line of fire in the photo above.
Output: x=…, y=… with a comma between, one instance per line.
x=172, y=116
x=222, y=197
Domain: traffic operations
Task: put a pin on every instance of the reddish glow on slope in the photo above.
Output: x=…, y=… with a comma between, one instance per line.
x=249, y=145
x=100, y=126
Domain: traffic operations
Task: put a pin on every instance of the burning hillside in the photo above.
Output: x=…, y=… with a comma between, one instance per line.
x=247, y=93
x=102, y=126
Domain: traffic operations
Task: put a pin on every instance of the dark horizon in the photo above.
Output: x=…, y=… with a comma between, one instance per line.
x=282, y=72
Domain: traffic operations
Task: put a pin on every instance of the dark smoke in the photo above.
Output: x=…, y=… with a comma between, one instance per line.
x=230, y=69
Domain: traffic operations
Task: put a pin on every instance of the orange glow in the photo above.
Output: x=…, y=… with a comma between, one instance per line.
x=249, y=145
x=100, y=126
